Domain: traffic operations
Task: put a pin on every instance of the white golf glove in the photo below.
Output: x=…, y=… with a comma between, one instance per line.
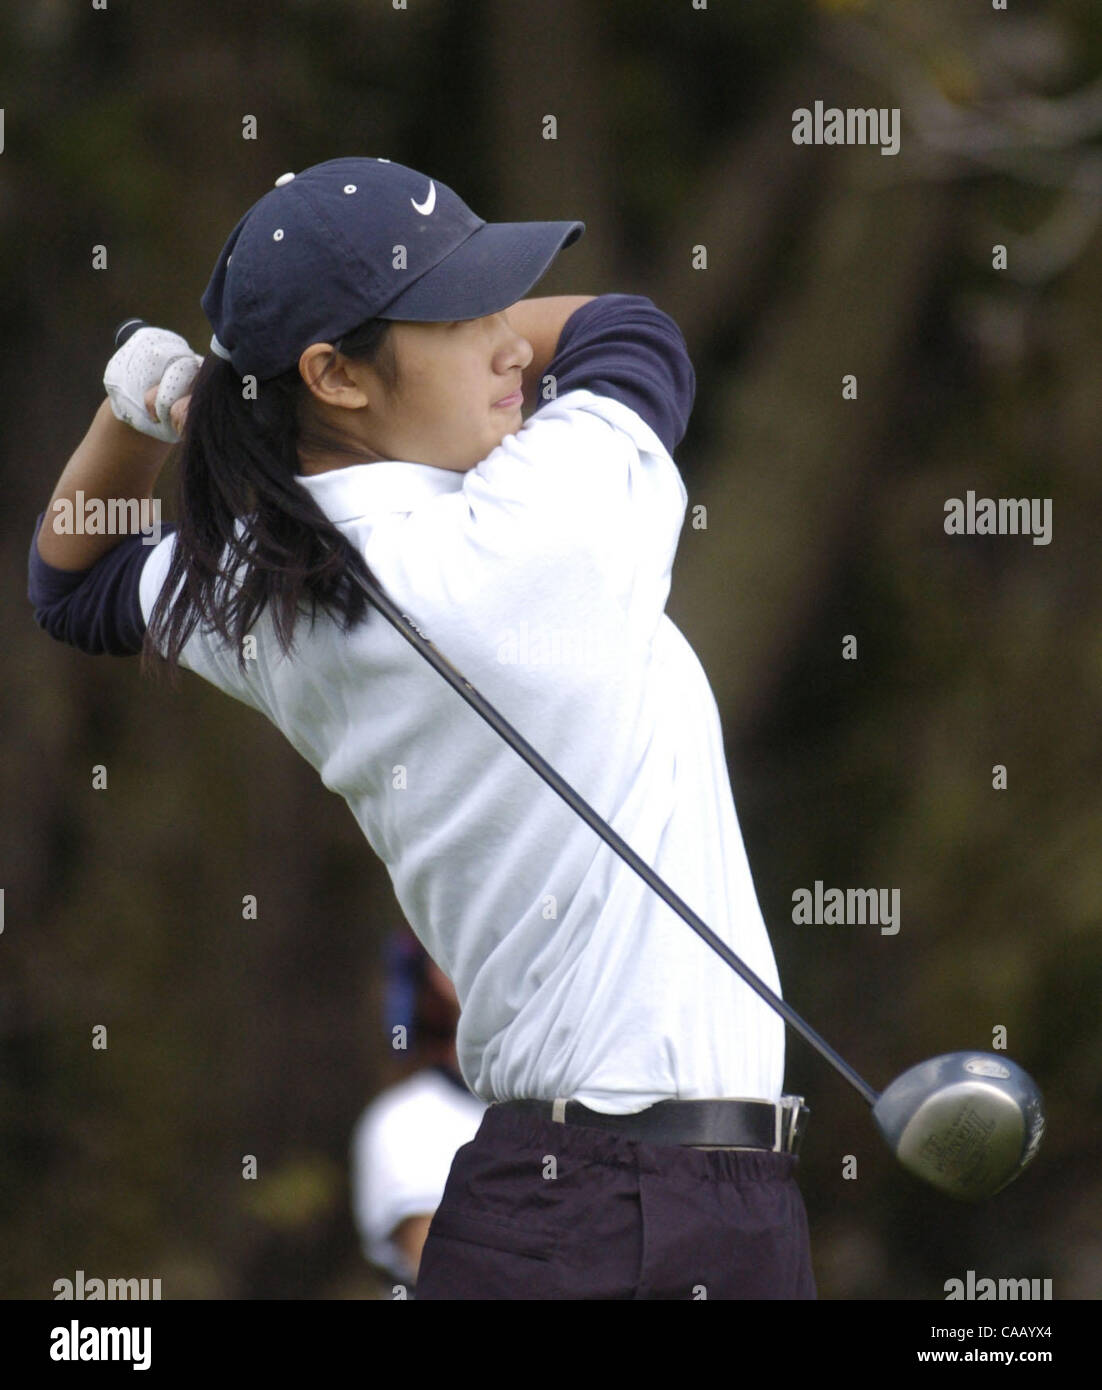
x=150, y=357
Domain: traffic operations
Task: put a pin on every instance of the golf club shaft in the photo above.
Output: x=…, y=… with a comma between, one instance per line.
x=458, y=682
x=482, y=706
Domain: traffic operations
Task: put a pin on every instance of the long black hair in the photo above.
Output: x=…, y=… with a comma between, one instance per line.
x=250, y=537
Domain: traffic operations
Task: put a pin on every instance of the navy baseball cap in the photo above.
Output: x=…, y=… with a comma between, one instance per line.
x=360, y=238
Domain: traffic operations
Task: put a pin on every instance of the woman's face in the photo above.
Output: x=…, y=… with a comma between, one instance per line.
x=457, y=395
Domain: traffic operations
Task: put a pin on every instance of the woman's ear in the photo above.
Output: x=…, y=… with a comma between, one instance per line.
x=332, y=378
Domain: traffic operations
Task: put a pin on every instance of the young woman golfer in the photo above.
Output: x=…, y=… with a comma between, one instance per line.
x=362, y=405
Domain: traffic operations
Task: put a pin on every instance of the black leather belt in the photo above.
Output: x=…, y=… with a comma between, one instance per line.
x=701, y=1124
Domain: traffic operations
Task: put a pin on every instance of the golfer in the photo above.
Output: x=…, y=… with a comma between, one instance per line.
x=380, y=398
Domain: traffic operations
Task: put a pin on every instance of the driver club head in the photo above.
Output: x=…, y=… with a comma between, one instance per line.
x=966, y=1123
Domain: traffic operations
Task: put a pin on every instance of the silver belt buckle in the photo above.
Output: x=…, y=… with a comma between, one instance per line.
x=786, y=1135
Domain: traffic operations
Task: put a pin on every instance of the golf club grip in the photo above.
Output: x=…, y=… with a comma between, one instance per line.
x=127, y=329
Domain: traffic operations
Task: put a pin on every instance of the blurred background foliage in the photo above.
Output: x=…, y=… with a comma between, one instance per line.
x=824, y=518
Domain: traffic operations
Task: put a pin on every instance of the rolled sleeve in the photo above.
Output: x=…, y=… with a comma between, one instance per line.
x=584, y=502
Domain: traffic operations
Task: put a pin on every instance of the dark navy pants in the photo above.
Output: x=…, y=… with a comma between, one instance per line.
x=538, y=1210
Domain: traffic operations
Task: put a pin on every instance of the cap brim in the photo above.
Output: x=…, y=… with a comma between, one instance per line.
x=497, y=265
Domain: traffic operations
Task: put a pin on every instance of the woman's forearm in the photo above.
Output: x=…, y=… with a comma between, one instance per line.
x=115, y=462
x=112, y=462
x=541, y=321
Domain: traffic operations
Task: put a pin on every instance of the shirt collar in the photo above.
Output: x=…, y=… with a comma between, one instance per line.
x=391, y=485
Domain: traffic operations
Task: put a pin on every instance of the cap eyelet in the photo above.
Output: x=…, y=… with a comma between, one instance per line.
x=277, y=235
x=350, y=188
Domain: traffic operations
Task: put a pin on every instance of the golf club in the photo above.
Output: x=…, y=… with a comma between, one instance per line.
x=967, y=1123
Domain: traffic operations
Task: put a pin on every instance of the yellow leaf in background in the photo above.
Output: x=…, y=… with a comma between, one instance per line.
x=294, y=1194
x=954, y=77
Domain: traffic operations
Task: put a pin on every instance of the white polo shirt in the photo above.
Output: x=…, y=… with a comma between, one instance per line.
x=542, y=575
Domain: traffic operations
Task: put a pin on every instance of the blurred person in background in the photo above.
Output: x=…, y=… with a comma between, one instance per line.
x=404, y=1141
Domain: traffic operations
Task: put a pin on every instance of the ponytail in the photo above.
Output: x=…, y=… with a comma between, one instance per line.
x=249, y=536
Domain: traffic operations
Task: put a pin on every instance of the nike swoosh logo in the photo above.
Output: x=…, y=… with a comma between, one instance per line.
x=430, y=202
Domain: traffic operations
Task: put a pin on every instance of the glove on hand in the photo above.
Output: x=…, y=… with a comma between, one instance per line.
x=150, y=357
